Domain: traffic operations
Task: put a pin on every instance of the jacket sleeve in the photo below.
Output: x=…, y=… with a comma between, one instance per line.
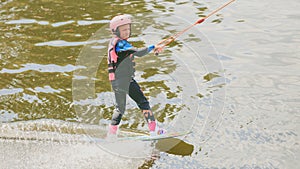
x=143, y=51
x=124, y=48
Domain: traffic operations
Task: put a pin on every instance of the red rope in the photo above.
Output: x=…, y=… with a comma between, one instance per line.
x=170, y=39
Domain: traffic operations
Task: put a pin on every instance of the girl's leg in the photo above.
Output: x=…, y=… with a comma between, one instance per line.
x=120, y=97
x=120, y=87
x=138, y=96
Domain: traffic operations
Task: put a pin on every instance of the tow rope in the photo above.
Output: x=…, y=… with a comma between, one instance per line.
x=170, y=39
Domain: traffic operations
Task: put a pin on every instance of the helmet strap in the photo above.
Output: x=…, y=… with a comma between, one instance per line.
x=117, y=32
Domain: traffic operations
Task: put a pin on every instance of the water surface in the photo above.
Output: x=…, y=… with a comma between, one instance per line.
x=234, y=79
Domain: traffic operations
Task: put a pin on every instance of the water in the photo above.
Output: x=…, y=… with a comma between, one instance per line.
x=234, y=80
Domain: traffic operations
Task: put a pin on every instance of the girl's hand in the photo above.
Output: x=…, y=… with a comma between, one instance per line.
x=158, y=49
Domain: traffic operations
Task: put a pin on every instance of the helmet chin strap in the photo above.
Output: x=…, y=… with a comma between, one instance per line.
x=117, y=32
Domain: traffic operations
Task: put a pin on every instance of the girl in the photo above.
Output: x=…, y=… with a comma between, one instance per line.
x=121, y=73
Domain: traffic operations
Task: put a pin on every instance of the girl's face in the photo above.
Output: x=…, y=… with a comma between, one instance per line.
x=124, y=31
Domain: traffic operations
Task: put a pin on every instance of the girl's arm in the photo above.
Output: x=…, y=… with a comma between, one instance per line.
x=124, y=48
x=142, y=51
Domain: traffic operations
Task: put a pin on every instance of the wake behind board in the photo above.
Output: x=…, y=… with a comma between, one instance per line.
x=157, y=137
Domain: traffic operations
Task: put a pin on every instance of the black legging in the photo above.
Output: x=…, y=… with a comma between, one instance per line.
x=123, y=86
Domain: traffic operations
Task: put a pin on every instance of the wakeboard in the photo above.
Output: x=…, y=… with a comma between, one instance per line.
x=156, y=137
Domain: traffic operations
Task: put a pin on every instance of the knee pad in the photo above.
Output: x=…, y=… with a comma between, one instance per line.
x=116, y=117
x=149, y=116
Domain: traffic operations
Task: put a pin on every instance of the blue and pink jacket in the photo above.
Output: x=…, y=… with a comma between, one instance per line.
x=121, y=58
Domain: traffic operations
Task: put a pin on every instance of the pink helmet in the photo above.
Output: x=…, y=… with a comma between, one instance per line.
x=119, y=21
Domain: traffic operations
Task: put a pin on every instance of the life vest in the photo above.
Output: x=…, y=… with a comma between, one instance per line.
x=113, y=61
x=112, y=58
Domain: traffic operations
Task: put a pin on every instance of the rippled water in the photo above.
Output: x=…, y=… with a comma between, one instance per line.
x=234, y=79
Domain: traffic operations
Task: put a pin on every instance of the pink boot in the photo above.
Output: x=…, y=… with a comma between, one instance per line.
x=154, y=130
x=152, y=126
x=112, y=129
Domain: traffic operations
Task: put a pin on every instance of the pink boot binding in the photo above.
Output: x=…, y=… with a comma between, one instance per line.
x=112, y=129
x=154, y=130
x=152, y=126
